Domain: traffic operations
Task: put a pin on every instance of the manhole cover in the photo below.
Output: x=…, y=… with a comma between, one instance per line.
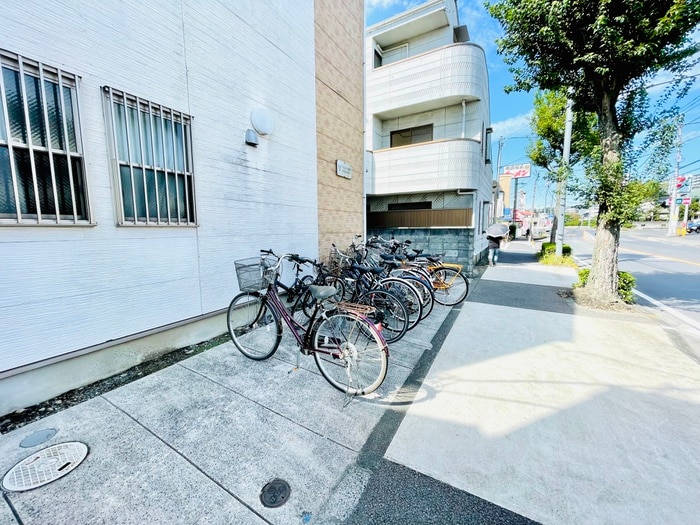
x=45, y=466
x=38, y=437
x=275, y=493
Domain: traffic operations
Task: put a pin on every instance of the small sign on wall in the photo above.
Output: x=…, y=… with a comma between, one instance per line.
x=343, y=169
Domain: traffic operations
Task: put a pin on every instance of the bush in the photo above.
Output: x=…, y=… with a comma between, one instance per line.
x=551, y=259
x=549, y=248
x=625, y=284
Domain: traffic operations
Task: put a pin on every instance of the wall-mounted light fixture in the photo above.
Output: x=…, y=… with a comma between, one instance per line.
x=251, y=138
x=262, y=121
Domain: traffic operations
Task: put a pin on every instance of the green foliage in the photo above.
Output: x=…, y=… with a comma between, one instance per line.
x=597, y=48
x=625, y=284
x=572, y=219
x=548, y=248
x=551, y=259
x=547, y=122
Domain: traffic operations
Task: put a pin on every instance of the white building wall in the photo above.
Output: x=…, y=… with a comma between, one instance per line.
x=68, y=288
x=447, y=123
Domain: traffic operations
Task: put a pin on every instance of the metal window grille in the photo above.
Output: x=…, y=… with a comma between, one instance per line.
x=42, y=173
x=152, y=145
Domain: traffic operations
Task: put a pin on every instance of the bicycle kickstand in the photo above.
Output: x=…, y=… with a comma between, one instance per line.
x=296, y=367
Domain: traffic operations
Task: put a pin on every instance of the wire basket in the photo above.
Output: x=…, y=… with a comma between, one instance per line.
x=253, y=274
x=337, y=263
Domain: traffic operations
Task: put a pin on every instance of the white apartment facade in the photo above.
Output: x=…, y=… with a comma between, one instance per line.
x=427, y=132
x=144, y=147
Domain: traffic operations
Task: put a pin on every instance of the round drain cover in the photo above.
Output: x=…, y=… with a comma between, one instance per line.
x=38, y=437
x=275, y=494
x=45, y=466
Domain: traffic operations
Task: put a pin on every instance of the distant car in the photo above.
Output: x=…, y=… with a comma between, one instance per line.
x=693, y=226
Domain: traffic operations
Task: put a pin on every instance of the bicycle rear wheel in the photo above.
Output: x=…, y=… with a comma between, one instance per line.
x=254, y=327
x=451, y=287
x=350, y=353
x=425, y=291
x=389, y=311
x=409, y=297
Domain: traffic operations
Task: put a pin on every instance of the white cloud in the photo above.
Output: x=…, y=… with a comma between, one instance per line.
x=374, y=4
x=390, y=7
x=512, y=127
x=483, y=28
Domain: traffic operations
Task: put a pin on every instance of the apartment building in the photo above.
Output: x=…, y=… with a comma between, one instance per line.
x=427, y=132
x=145, y=147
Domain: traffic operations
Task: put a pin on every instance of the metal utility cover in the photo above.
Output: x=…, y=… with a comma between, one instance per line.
x=38, y=437
x=275, y=493
x=45, y=466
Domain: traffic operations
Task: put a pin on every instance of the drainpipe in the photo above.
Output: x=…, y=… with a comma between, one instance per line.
x=464, y=118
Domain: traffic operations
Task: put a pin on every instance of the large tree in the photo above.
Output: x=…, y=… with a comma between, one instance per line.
x=602, y=51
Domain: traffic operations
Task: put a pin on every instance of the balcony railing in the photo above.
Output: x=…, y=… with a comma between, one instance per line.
x=431, y=166
x=437, y=78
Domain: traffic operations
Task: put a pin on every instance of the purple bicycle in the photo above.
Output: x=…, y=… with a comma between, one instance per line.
x=348, y=348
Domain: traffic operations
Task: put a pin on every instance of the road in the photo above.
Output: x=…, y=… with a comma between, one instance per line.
x=666, y=268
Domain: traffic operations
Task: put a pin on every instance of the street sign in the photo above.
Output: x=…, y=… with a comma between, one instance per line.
x=679, y=201
x=517, y=171
x=686, y=200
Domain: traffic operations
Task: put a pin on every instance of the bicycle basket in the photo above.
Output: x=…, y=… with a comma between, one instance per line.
x=253, y=274
x=336, y=263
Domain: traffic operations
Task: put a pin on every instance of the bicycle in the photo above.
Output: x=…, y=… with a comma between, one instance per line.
x=300, y=283
x=449, y=283
x=390, y=308
x=349, y=350
x=376, y=254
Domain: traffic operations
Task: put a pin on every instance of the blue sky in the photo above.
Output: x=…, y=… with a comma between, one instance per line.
x=510, y=113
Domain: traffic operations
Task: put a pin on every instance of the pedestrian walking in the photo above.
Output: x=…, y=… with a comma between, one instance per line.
x=494, y=249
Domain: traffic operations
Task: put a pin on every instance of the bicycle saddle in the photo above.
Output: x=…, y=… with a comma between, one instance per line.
x=322, y=292
x=367, y=269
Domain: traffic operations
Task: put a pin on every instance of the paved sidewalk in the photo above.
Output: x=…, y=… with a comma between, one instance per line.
x=516, y=406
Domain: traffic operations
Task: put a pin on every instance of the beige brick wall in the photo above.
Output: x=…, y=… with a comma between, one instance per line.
x=339, y=106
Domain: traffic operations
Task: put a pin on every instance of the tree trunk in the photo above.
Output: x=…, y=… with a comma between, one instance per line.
x=601, y=286
x=602, y=280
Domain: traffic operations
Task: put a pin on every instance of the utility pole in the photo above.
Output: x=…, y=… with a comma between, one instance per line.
x=561, y=185
x=673, y=189
x=515, y=204
x=532, y=217
x=498, y=174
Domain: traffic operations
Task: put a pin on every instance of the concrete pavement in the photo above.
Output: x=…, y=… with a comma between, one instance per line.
x=517, y=405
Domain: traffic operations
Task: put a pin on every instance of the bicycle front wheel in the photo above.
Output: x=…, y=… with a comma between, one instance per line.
x=389, y=311
x=451, y=287
x=254, y=327
x=350, y=353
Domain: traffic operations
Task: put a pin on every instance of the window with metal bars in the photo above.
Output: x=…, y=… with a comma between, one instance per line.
x=152, y=145
x=42, y=173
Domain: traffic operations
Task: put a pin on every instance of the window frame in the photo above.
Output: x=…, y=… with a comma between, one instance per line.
x=61, y=142
x=414, y=130
x=149, y=161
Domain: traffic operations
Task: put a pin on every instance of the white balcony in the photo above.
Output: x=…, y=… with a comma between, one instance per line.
x=428, y=167
x=437, y=78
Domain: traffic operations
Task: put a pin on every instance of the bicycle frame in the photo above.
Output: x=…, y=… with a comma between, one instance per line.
x=440, y=284
x=301, y=335
x=304, y=336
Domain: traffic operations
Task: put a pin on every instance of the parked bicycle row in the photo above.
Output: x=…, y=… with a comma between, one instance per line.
x=344, y=311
